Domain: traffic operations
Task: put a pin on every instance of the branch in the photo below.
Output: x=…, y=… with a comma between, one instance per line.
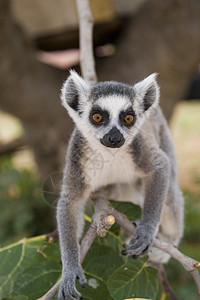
x=86, y=40
x=52, y=236
x=162, y=277
x=188, y=263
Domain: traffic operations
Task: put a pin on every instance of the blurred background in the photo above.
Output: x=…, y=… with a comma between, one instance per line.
x=132, y=38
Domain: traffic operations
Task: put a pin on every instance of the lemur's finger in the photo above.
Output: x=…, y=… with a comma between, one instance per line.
x=74, y=294
x=65, y=296
x=146, y=249
x=71, y=290
x=137, y=251
x=124, y=252
x=82, y=279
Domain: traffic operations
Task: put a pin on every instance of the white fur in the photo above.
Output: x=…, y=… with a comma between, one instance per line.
x=114, y=104
x=105, y=166
x=83, y=89
x=140, y=89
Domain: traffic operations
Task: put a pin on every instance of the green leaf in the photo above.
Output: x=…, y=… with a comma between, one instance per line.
x=132, y=211
x=101, y=261
x=133, y=279
x=136, y=299
x=29, y=268
x=19, y=297
x=96, y=289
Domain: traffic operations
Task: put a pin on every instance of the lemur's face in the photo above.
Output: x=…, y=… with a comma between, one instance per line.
x=109, y=113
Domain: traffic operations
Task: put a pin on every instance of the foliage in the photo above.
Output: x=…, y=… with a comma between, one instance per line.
x=23, y=211
x=30, y=267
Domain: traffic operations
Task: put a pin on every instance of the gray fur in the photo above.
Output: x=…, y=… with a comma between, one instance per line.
x=142, y=170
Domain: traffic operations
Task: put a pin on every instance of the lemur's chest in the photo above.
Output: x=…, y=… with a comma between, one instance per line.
x=109, y=166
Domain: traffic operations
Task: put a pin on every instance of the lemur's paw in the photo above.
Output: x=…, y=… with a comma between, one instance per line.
x=67, y=289
x=140, y=243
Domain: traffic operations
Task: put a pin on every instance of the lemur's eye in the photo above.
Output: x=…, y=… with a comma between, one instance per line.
x=129, y=119
x=97, y=117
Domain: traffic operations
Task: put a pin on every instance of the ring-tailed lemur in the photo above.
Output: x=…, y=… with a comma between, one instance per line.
x=125, y=128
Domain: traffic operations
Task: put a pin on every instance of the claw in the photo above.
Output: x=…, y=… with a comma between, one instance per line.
x=84, y=285
x=124, y=252
x=145, y=250
x=135, y=256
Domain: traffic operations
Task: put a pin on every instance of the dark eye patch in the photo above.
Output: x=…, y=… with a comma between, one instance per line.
x=103, y=113
x=123, y=114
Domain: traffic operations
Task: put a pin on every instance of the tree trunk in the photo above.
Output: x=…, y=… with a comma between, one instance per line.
x=30, y=91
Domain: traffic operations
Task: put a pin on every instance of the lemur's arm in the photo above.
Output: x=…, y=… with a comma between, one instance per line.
x=154, y=163
x=70, y=220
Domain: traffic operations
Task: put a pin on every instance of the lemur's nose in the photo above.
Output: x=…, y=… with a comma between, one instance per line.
x=115, y=138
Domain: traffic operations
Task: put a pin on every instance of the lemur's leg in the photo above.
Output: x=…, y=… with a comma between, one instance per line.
x=70, y=224
x=171, y=227
x=70, y=219
x=156, y=169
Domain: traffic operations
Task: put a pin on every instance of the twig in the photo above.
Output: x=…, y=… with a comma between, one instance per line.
x=162, y=277
x=188, y=263
x=51, y=293
x=87, y=241
x=86, y=40
x=52, y=235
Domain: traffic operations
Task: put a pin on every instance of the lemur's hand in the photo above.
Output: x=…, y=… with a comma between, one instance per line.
x=67, y=289
x=141, y=241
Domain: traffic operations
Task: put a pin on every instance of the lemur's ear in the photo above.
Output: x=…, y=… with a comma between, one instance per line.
x=146, y=93
x=74, y=92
